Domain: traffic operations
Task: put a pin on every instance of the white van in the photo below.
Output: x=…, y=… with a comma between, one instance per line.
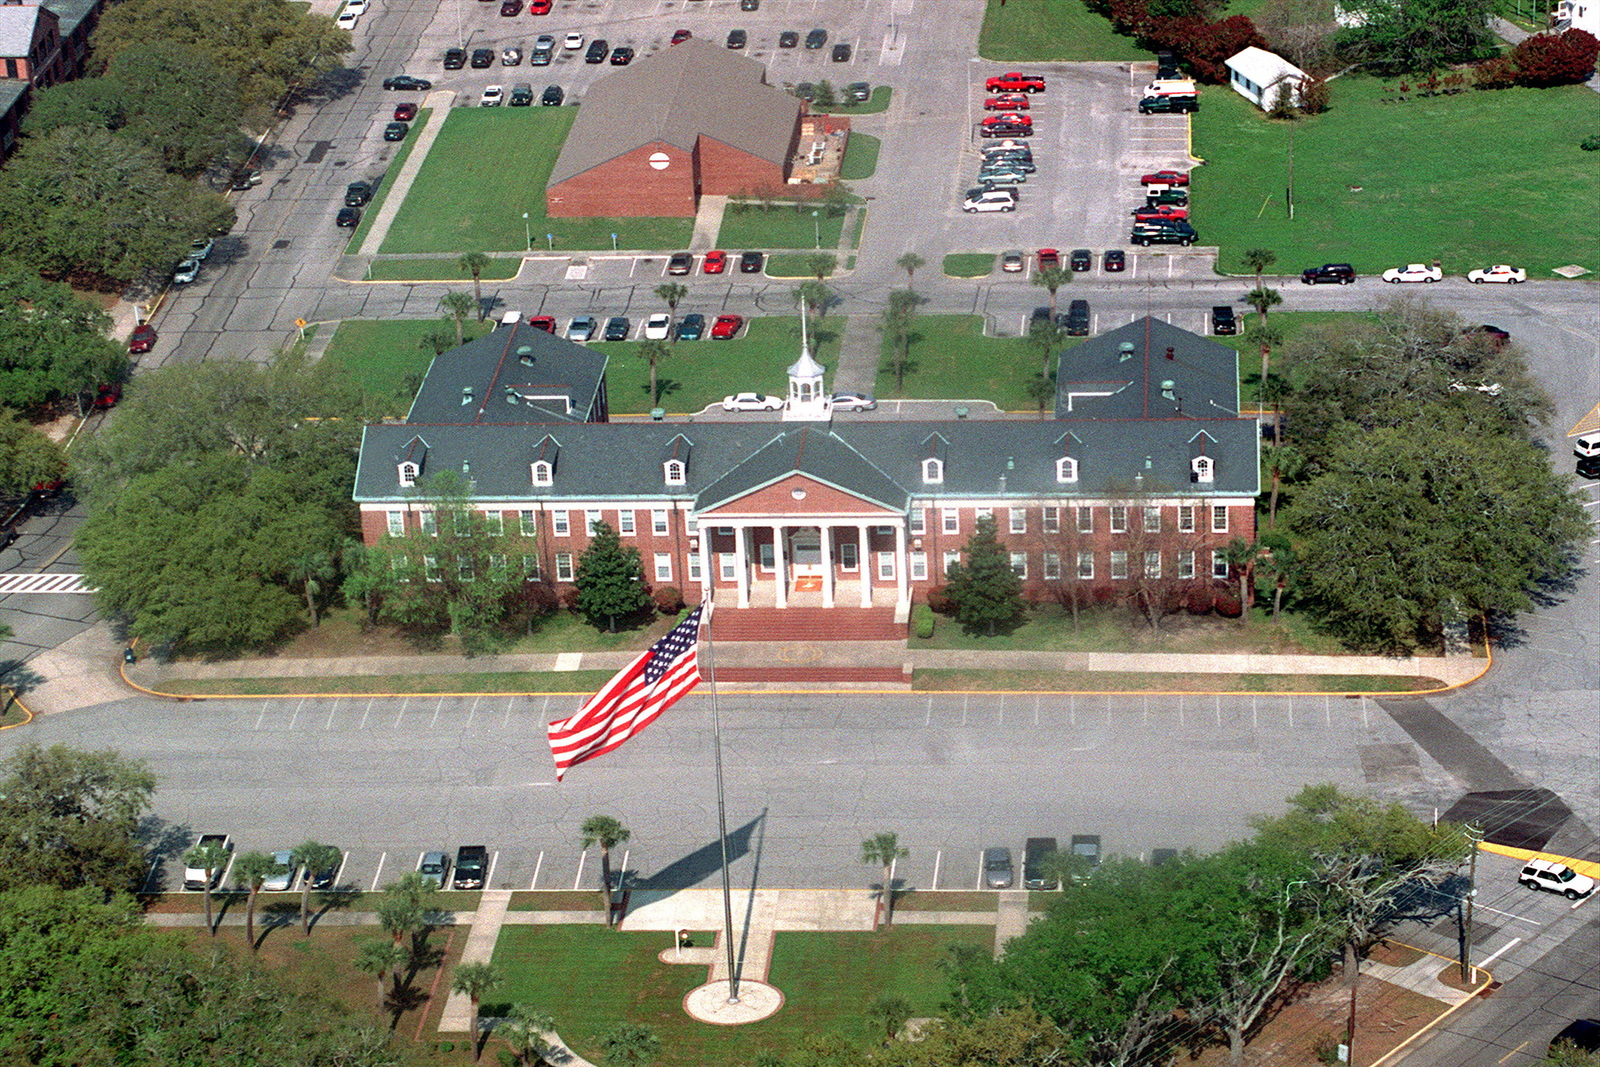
x=510, y=318
x=1171, y=87
x=1587, y=445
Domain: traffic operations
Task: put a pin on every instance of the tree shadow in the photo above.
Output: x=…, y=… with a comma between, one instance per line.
x=664, y=386
x=162, y=841
x=338, y=898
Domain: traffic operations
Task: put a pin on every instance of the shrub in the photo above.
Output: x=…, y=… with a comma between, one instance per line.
x=939, y=600
x=922, y=618
x=1315, y=96
x=1497, y=73
x=1226, y=600
x=1547, y=59
x=569, y=600
x=1590, y=143
x=1200, y=598
x=539, y=598
x=668, y=600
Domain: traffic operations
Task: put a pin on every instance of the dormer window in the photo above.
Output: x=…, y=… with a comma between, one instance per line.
x=1202, y=468
x=675, y=471
x=933, y=471
x=543, y=472
x=1066, y=469
x=408, y=475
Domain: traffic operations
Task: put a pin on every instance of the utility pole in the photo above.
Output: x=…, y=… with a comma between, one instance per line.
x=1467, y=970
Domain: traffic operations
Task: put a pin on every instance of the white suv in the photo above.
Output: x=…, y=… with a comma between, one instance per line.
x=1557, y=878
x=991, y=200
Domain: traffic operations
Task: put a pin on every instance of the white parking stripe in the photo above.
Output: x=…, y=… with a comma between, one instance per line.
x=488, y=878
x=937, y=856
x=379, y=872
x=43, y=583
x=538, y=864
x=578, y=880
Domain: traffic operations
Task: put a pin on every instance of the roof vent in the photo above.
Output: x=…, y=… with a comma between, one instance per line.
x=1011, y=463
x=1124, y=351
x=1169, y=351
x=466, y=469
x=511, y=395
x=525, y=355
x=466, y=395
x=1167, y=388
x=1147, y=464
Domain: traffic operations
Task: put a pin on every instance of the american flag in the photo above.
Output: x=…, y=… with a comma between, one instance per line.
x=661, y=676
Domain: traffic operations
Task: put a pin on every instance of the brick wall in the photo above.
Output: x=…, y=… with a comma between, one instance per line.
x=628, y=186
x=725, y=170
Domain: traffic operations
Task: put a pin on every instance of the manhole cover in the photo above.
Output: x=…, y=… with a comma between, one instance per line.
x=280, y=245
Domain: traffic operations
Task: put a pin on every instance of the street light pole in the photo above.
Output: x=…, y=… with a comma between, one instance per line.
x=527, y=234
x=817, y=230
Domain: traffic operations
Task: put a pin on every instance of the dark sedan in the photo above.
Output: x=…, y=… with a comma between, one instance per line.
x=816, y=39
x=751, y=263
x=396, y=131
x=482, y=58
x=621, y=56
x=692, y=327
x=788, y=39
x=348, y=217
x=407, y=82
x=599, y=48
x=617, y=328
x=738, y=38
x=841, y=53
x=553, y=96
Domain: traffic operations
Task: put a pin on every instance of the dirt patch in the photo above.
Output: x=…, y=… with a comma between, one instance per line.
x=945, y=901
x=1451, y=976
x=1393, y=954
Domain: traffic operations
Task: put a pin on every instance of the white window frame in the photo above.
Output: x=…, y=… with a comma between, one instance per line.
x=1052, y=520
x=563, y=566
x=951, y=519
x=691, y=524
x=982, y=513
x=1119, y=565
x=696, y=574
x=1119, y=518
x=408, y=475
x=530, y=523
x=728, y=565
x=919, y=566
x=428, y=523
x=1186, y=563
x=1066, y=470
x=543, y=472
x=933, y=471
x=1219, y=564
x=1019, y=520
x=464, y=569
x=1186, y=518
x=531, y=569
x=1152, y=519
x=625, y=525
x=1086, y=566
x=494, y=523
x=592, y=516
x=1219, y=518
x=919, y=521
x=951, y=558
x=1019, y=564
x=766, y=556
x=430, y=569
x=1052, y=566
x=1084, y=517
x=886, y=566
x=1152, y=564
x=675, y=472
x=561, y=523
x=658, y=522
x=396, y=523
x=849, y=556
x=1203, y=468
x=663, y=566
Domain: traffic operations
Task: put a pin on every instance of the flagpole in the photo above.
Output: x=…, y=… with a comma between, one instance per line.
x=722, y=814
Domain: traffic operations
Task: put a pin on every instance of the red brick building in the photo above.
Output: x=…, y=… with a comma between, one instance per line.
x=653, y=137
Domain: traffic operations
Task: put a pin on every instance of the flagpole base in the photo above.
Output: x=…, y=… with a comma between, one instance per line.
x=710, y=1004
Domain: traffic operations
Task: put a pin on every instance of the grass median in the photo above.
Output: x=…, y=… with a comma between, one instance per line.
x=968, y=264
x=949, y=358
x=501, y=268
x=787, y=224
x=933, y=680
x=1063, y=30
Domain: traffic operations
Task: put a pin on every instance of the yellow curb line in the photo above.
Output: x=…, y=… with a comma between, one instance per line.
x=1404, y=1045
x=1588, y=867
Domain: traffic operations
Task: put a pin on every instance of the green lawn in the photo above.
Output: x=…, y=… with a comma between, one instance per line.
x=787, y=225
x=860, y=157
x=467, y=197
x=703, y=372
x=1036, y=30
x=950, y=359
x=384, y=358
x=590, y=978
x=501, y=268
x=968, y=264
x=877, y=102
x=1049, y=628
x=1365, y=171
x=791, y=265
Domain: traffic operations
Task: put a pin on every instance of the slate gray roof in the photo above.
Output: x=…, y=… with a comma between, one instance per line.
x=811, y=451
x=1119, y=375
x=692, y=89
x=71, y=13
x=17, y=23
x=549, y=378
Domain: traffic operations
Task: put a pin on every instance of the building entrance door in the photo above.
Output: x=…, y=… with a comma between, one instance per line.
x=805, y=553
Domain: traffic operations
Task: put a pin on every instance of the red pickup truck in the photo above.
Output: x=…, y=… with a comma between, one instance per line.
x=1014, y=82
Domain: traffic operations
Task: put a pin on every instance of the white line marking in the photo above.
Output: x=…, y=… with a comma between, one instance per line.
x=296, y=716
x=397, y=715
x=579, y=879
x=488, y=879
x=1510, y=915
x=1000, y=717
x=261, y=715
x=1501, y=951
x=937, y=856
x=364, y=714
x=331, y=708
x=338, y=876
x=473, y=710
x=379, y=872
x=536, y=866
x=437, y=708
x=506, y=722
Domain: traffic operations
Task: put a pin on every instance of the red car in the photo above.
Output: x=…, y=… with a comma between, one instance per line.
x=107, y=396
x=681, y=36
x=1013, y=82
x=716, y=262
x=405, y=112
x=540, y=7
x=542, y=322
x=1166, y=177
x=143, y=339
x=1008, y=119
x=1008, y=102
x=1049, y=257
x=726, y=326
x=1160, y=211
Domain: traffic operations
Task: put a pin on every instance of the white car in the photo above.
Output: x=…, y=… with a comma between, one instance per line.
x=347, y=19
x=200, y=247
x=990, y=200
x=186, y=272
x=574, y=41
x=1557, y=878
x=658, y=327
x=854, y=402
x=1413, y=272
x=510, y=57
x=1500, y=272
x=493, y=96
x=751, y=402
x=358, y=6
x=283, y=881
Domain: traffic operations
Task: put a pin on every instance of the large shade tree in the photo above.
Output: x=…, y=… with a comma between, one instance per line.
x=53, y=342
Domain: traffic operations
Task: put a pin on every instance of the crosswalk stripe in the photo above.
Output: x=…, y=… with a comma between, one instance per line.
x=43, y=583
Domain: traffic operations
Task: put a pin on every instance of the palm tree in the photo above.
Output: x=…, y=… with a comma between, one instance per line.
x=892, y=1012
x=252, y=870
x=1052, y=278
x=629, y=1045
x=897, y=323
x=524, y=1029
x=475, y=979
x=436, y=340
x=816, y=295
x=1258, y=260
x=310, y=570
x=821, y=264
x=404, y=907
x=672, y=292
x=909, y=263
x=381, y=959
x=883, y=849
x=608, y=833
x=1045, y=334
x=655, y=351
x=1261, y=298
x=1242, y=556
x=1282, y=564
x=457, y=304
x=211, y=859
x=473, y=263
x=1284, y=463
x=1268, y=337
x=314, y=858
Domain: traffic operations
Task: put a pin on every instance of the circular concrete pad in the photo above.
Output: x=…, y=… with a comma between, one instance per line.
x=709, y=1003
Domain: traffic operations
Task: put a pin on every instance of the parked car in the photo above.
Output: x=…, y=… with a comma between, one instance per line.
x=751, y=402
x=1169, y=105
x=1013, y=262
x=1556, y=878
x=1164, y=231
x=997, y=871
x=658, y=327
x=581, y=328
x=1076, y=320
x=511, y=57
x=1086, y=847
x=691, y=327
x=348, y=218
x=493, y=96
x=681, y=36
x=405, y=112
x=1586, y=445
x=540, y=7
x=357, y=194
x=1006, y=129
x=738, y=38
x=433, y=866
x=521, y=95
x=1007, y=102
x=482, y=58
x=599, y=48
x=1500, y=272
x=788, y=39
x=854, y=402
x=510, y=9
x=1581, y=1034
x=283, y=880
x=347, y=19
x=751, y=263
x=106, y=395
x=749, y=5
x=621, y=56
x=1156, y=194
x=680, y=263
x=1114, y=261
x=185, y=272
x=1049, y=257
x=143, y=339
x=1161, y=211
x=726, y=327
x=858, y=92
x=617, y=328
x=716, y=262
x=1166, y=177
x=572, y=41
x=1223, y=323
x=1009, y=118
x=201, y=247
x=195, y=877
x=455, y=58
x=1413, y=272
x=987, y=200
x=999, y=174
x=816, y=39
x=396, y=131
x=407, y=82
x=1036, y=852
x=553, y=96
x=841, y=53
x=1015, y=82
x=1343, y=273
x=1588, y=467
x=472, y=866
x=547, y=323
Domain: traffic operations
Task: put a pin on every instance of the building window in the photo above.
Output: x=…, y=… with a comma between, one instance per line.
x=592, y=518
x=408, y=475
x=1186, y=518
x=885, y=566
x=428, y=522
x=558, y=524
x=430, y=568
x=397, y=523
x=1086, y=566
x=1201, y=467
x=1186, y=563
x=663, y=566
x=983, y=513
x=1085, y=519
x=1019, y=564
x=847, y=555
x=462, y=523
x=530, y=525
x=497, y=565
x=1119, y=564
x=658, y=522
x=764, y=550
x=1119, y=518
x=494, y=523
x=675, y=472
x=1052, y=566
x=1052, y=520
x=919, y=566
x=563, y=566
x=542, y=471
x=918, y=522
x=1219, y=565
x=932, y=471
x=951, y=559
x=730, y=566
x=695, y=573
x=725, y=531
x=1066, y=469
x=691, y=524
x=1152, y=565
x=1019, y=520
x=625, y=522
x=952, y=520
x=1219, y=518
x=1152, y=520
x=530, y=568
x=464, y=568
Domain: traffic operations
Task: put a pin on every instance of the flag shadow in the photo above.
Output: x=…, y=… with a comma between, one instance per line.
x=703, y=862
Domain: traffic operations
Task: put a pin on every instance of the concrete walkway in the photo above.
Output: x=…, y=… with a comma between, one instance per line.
x=486, y=922
x=440, y=100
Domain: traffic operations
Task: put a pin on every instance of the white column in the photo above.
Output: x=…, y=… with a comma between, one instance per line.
x=901, y=563
x=707, y=575
x=740, y=544
x=777, y=567
x=827, y=564
x=864, y=562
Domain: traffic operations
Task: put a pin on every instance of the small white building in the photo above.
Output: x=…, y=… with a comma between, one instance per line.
x=1255, y=74
x=1576, y=15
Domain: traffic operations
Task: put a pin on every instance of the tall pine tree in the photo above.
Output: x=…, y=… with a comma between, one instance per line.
x=610, y=578
x=986, y=591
